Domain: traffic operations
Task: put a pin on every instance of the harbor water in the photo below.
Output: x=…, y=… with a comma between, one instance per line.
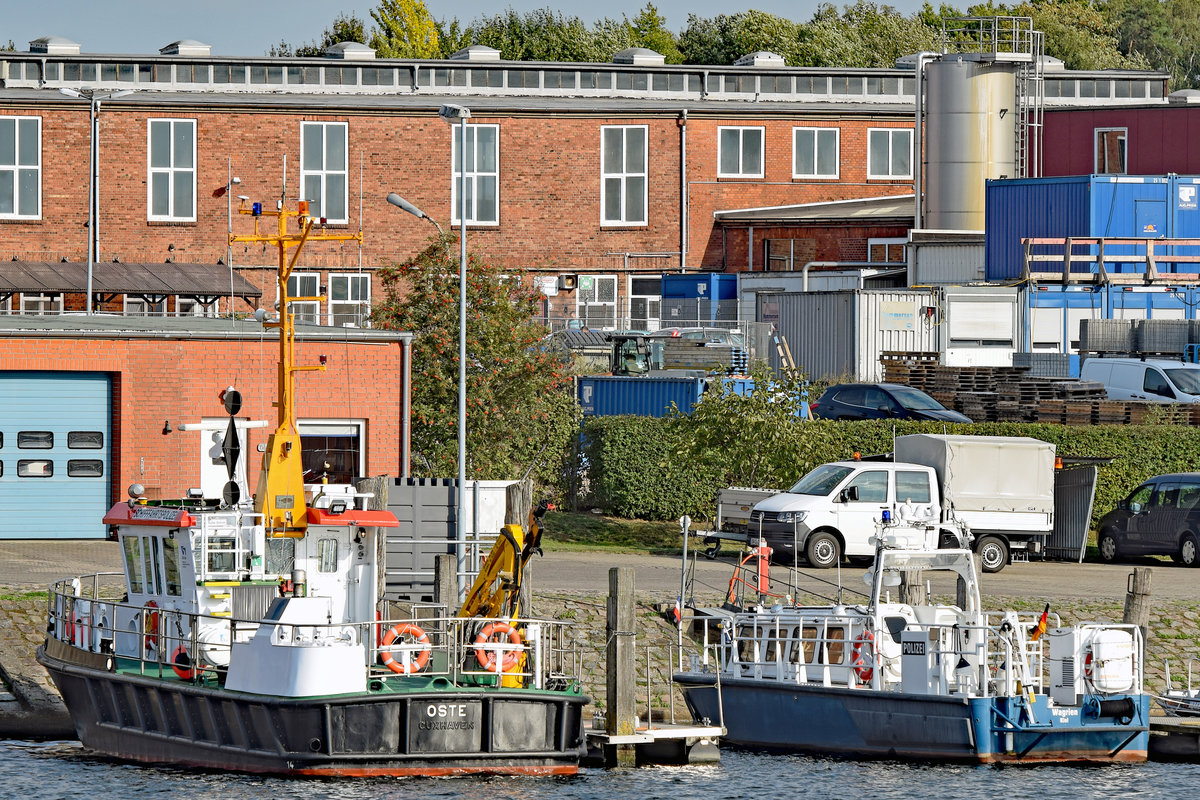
x=37, y=770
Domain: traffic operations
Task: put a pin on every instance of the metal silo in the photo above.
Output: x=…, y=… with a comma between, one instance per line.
x=983, y=106
x=970, y=136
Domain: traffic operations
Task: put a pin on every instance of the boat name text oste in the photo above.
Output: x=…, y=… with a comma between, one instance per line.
x=443, y=716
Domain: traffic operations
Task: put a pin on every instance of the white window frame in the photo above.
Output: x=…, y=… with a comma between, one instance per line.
x=133, y=306
x=53, y=300
x=818, y=134
x=172, y=171
x=324, y=172
x=742, y=131
x=308, y=311
x=892, y=134
x=474, y=175
x=887, y=242
x=195, y=308
x=15, y=169
x=1096, y=151
x=582, y=305
x=364, y=303
x=653, y=303
x=353, y=427
x=620, y=178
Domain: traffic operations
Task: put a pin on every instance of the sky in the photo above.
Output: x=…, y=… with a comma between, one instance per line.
x=249, y=27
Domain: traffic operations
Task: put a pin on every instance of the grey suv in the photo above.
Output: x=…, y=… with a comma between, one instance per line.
x=1160, y=517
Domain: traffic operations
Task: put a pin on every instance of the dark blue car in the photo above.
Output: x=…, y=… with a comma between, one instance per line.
x=881, y=401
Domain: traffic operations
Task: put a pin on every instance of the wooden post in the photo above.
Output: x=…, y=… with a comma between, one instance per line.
x=445, y=582
x=518, y=504
x=1137, y=599
x=912, y=591
x=621, y=678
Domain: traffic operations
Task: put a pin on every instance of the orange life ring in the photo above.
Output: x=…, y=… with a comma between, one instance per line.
x=151, y=629
x=487, y=658
x=418, y=636
x=864, y=670
x=181, y=662
x=1087, y=665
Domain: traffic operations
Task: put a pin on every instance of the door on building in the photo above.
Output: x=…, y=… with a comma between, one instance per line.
x=55, y=454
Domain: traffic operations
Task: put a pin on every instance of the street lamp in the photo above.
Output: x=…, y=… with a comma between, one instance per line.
x=93, y=97
x=451, y=112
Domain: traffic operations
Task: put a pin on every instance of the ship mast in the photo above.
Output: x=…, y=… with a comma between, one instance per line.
x=280, y=493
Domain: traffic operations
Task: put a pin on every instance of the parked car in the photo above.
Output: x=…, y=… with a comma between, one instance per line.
x=881, y=401
x=1160, y=517
x=1157, y=380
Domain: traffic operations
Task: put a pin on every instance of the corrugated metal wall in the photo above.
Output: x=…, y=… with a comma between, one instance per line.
x=1074, y=493
x=936, y=263
x=608, y=395
x=842, y=334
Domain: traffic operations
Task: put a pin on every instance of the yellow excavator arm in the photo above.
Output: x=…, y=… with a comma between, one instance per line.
x=497, y=588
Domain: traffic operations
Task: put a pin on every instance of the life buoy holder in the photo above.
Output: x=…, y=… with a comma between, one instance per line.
x=181, y=662
x=151, y=631
x=863, y=668
x=487, y=657
x=388, y=659
x=1087, y=665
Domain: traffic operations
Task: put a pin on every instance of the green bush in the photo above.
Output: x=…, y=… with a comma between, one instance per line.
x=659, y=468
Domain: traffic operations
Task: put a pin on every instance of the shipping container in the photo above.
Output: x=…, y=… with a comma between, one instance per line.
x=834, y=335
x=698, y=298
x=610, y=395
x=1089, y=206
x=758, y=291
x=981, y=325
x=945, y=257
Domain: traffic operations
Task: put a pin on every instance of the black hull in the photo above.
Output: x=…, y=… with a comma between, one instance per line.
x=139, y=718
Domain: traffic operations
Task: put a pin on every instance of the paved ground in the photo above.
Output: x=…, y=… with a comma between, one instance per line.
x=30, y=707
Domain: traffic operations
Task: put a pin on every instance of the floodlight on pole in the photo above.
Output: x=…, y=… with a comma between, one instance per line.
x=93, y=97
x=451, y=112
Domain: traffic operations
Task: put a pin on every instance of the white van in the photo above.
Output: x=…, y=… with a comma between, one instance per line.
x=1157, y=380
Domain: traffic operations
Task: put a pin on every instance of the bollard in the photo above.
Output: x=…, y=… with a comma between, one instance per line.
x=1137, y=600
x=621, y=681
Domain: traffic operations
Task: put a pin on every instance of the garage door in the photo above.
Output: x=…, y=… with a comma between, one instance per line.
x=55, y=454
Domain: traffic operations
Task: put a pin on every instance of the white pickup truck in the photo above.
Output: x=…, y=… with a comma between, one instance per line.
x=1000, y=487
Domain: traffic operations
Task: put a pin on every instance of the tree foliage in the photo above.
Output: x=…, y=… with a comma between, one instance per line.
x=404, y=29
x=727, y=37
x=865, y=34
x=521, y=413
x=344, y=28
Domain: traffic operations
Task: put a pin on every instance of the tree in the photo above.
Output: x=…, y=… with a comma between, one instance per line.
x=521, y=413
x=649, y=29
x=865, y=34
x=540, y=35
x=726, y=38
x=345, y=28
x=752, y=440
x=405, y=29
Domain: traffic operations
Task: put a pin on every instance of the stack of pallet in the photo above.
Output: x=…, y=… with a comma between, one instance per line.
x=1004, y=394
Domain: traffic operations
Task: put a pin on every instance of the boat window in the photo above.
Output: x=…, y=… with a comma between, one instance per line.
x=327, y=555
x=153, y=567
x=133, y=563
x=281, y=556
x=836, y=644
x=770, y=646
x=171, y=562
x=221, y=556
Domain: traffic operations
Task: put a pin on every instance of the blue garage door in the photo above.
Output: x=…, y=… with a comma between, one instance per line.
x=55, y=446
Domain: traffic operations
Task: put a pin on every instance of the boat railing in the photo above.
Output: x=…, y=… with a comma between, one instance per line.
x=1169, y=682
x=88, y=614
x=852, y=649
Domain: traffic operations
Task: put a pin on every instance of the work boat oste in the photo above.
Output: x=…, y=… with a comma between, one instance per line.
x=252, y=637
x=922, y=679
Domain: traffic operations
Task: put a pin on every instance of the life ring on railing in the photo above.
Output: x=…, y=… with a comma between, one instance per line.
x=1087, y=666
x=863, y=668
x=151, y=630
x=181, y=662
x=414, y=665
x=487, y=658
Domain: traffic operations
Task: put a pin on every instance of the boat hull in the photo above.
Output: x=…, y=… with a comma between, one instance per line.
x=872, y=724
x=436, y=731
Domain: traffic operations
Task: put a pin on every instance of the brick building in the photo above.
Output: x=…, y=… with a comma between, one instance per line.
x=598, y=177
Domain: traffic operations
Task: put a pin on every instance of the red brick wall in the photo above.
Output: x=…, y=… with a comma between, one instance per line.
x=157, y=381
x=550, y=185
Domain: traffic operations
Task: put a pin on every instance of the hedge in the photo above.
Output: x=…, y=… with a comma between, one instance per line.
x=642, y=468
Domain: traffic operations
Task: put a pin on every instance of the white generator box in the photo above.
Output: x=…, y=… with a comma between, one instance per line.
x=1090, y=661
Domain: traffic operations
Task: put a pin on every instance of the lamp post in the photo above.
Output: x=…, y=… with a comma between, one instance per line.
x=94, y=98
x=450, y=113
x=229, y=184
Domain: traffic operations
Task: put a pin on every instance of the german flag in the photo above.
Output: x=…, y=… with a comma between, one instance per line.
x=1037, y=630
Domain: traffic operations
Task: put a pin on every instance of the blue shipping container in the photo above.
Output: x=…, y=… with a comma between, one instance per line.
x=703, y=286
x=1121, y=206
x=611, y=395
